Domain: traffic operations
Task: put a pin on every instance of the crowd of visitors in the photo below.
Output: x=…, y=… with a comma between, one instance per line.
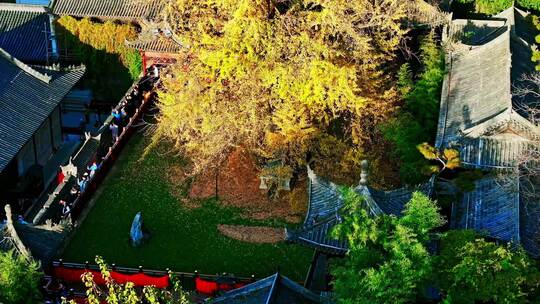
x=119, y=120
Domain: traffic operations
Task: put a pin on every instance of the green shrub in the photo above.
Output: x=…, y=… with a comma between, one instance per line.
x=134, y=63
x=417, y=121
x=111, y=66
x=491, y=7
x=19, y=279
x=529, y=4
x=488, y=7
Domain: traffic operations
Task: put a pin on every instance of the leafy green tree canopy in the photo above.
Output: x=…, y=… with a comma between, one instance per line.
x=416, y=123
x=472, y=270
x=388, y=261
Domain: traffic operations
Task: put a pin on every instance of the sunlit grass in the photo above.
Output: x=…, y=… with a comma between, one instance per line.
x=181, y=239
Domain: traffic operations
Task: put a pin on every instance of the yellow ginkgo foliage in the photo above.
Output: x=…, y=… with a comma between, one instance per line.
x=290, y=80
x=447, y=159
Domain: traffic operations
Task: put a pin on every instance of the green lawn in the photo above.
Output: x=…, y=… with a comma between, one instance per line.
x=181, y=239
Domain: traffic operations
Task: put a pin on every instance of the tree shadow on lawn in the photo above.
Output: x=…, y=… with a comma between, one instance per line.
x=181, y=239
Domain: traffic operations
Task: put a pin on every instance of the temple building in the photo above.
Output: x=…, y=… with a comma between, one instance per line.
x=156, y=41
x=483, y=118
x=30, y=112
x=325, y=209
x=27, y=33
x=325, y=205
x=157, y=44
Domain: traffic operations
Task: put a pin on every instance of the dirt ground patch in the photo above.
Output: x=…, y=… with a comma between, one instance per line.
x=238, y=186
x=253, y=234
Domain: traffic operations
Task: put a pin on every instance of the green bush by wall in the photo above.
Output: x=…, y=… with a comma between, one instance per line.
x=111, y=66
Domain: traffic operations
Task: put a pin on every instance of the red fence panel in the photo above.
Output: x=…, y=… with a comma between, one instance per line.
x=210, y=288
x=139, y=279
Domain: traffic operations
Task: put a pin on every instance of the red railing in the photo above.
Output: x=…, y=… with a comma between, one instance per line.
x=204, y=284
x=114, y=150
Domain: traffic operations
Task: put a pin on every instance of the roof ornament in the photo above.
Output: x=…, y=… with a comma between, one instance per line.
x=364, y=173
x=14, y=235
x=311, y=174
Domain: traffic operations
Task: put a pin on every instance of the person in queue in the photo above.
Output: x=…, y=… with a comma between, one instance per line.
x=114, y=131
x=66, y=208
x=83, y=182
x=92, y=169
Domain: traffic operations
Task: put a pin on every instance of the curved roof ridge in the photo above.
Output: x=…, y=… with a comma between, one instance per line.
x=28, y=69
x=60, y=68
x=505, y=36
x=313, y=178
x=507, y=13
x=506, y=116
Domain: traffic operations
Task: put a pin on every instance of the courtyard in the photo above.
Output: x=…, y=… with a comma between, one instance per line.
x=181, y=238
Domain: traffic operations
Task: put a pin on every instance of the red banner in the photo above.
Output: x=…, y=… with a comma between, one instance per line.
x=210, y=288
x=138, y=279
x=141, y=279
x=75, y=275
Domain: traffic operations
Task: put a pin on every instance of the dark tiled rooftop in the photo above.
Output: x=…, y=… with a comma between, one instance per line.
x=25, y=32
x=27, y=98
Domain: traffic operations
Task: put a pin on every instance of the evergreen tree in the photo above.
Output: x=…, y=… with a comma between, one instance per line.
x=417, y=121
x=388, y=261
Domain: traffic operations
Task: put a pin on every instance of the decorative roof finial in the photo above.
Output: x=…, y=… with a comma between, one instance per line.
x=364, y=174
x=311, y=174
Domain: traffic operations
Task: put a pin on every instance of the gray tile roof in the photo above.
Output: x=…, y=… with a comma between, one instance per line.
x=158, y=44
x=476, y=88
x=481, y=118
x=6, y=241
x=25, y=31
x=500, y=151
x=325, y=204
x=42, y=243
x=156, y=37
x=109, y=9
x=492, y=208
x=273, y=289
x=529, y=211
x=27, y=97
x=479, y=115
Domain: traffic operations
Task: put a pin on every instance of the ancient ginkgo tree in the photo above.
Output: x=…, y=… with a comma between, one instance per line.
x=283, y=79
